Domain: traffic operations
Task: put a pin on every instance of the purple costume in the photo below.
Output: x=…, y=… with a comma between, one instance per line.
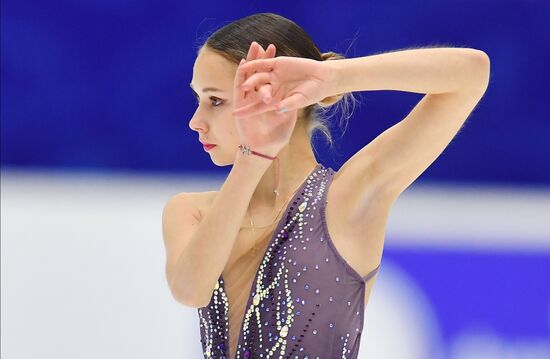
x=305, y=300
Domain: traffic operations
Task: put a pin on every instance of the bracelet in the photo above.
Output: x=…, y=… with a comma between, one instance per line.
x=247, y=151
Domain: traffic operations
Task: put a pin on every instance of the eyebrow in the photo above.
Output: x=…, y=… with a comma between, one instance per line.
x=207, y=89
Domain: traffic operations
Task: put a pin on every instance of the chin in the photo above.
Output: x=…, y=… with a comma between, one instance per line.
x=222, y=162
x=222, y=159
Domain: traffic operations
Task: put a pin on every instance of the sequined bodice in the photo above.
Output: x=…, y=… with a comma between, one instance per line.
x=305, y=300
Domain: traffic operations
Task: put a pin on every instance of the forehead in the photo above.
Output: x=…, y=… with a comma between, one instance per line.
x=212, y=70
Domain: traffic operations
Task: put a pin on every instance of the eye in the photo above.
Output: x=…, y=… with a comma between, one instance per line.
x=216, y=99
x=212, y=98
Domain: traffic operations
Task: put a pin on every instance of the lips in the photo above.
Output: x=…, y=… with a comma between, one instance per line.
x=208, y=147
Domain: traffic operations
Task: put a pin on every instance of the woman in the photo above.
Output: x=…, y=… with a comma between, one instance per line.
x=279, y=261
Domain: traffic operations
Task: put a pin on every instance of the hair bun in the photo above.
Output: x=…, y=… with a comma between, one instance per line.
x=325, y=56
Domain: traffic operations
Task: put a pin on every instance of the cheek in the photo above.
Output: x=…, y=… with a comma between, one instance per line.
x=229, y=124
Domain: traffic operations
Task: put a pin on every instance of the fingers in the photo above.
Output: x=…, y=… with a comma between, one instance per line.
x=265, y=93
x=260, y=87
x=270, y=51
x=259, y=65
x=240, y=78
x=251, y=55
x=253, y=109
x=265, y=104
x=256, y=80
x=252, y=52
x=290, y=103
x=255, y=51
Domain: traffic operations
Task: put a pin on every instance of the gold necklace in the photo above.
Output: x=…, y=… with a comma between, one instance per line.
x=253, y=249
x=267, y=225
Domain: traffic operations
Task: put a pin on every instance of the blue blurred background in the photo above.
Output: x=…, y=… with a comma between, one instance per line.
x=95, y=106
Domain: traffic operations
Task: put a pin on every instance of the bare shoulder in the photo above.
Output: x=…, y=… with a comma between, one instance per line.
x=180, y=217
x=198, y=201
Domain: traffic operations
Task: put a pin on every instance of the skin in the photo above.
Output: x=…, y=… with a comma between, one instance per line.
x=215, y=124
x=368, y=183
x=366, y=186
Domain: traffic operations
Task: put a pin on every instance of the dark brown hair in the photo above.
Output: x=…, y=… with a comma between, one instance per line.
x=233, y=40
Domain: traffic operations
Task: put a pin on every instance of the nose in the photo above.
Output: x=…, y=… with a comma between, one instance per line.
x=196, y=124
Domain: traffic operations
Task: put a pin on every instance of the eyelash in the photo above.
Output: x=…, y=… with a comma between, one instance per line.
x=211, y=98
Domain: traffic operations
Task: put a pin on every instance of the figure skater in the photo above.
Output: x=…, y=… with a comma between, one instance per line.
x=280, y=261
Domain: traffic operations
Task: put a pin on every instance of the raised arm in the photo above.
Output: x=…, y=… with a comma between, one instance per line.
x=197, y=251
x=453, y=79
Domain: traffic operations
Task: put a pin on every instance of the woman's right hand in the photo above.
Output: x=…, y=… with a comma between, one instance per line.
x=268, y=132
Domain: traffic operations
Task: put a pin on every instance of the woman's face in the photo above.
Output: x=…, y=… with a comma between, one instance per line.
x=212, y=84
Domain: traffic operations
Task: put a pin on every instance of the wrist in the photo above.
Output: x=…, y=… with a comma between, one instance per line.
x=252, y=160
x=256, y=161
x=335, y=77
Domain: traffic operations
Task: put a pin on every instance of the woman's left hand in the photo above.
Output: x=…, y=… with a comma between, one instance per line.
x=296, y=82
